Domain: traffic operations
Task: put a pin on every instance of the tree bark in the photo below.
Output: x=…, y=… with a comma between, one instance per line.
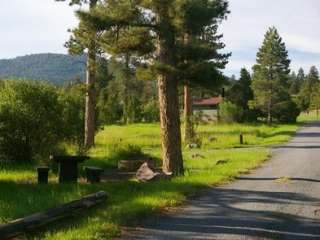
x=168, y=99
x=188, y=113
x=170, y=125
x=269, y=120
x=90, y=112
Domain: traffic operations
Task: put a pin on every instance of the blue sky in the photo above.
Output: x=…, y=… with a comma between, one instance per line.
x=40, y=26
x=297, y=21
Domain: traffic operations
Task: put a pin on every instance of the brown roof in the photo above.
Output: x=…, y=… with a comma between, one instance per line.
x=207, y=101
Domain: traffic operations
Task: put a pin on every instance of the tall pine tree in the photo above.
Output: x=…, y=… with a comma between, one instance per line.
x=84, y=38
x=200, y=61
x=309, y=89
x=271, y=73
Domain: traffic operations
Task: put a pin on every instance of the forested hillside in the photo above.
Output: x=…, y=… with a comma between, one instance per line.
x=55, y=68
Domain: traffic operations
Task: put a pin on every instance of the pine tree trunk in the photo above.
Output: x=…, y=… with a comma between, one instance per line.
x=90, y=111
x=188, y=112
x=170, y=125
x=168, y=100
x=269, y=120
x=90, y=101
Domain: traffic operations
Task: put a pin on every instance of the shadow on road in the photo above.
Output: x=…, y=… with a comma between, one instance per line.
x=273, y=179
x=218, y=215
x=297, y=147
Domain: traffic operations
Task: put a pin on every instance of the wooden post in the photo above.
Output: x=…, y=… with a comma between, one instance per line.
x=241, y=138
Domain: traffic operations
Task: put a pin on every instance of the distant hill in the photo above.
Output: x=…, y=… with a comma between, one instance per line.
x=55, y=68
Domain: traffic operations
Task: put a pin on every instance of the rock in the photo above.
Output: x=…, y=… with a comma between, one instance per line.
x=133, y=165
x=146, y=174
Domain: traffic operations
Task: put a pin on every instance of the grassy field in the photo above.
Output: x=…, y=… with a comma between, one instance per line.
x=309, y=117
x=130, y=201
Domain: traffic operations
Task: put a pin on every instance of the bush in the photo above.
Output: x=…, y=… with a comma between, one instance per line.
x=126, y=152
x=72, y=100
x=30, y=120
x=229, y=112
x=286, y=112
x=151, y=112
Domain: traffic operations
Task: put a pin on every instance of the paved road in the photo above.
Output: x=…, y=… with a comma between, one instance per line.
x=257, y=206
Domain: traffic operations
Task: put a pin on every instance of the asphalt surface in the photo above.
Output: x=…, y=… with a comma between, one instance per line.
x=280, y=200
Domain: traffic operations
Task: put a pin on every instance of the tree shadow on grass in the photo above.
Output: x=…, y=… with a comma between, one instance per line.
x=126, y=202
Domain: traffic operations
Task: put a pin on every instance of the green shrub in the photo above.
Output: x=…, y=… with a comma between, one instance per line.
x=229, y=112
x=30, y=121
x=151, y=112
x=286, y=112
x=126, y=152
x=72, y=100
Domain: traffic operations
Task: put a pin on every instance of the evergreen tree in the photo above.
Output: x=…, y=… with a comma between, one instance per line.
x=241, y=92
x=296, y=81
x=160, y=25
x=309, y=88
x=271, y=72
x=293, y=88
x=300, y=78
x=200, y=60
x=84, y=37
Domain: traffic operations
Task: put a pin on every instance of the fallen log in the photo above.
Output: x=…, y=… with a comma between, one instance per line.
x=31, y=223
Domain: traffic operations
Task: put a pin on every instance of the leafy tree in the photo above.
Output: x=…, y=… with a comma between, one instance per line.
x=129, y=90
x=308, y=89
x=72, y=100
x=315, y=99
x=109, y=107
x=230, y=112
x=30, y=121
x=271, y=74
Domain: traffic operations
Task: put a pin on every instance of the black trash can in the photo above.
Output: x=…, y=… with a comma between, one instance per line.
x=43, y=174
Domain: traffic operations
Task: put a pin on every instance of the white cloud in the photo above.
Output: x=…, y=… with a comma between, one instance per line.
x=301, y=43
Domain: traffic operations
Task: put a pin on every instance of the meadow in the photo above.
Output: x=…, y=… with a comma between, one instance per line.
x=130, y=201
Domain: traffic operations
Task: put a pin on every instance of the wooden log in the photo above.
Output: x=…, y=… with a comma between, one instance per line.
x=20, y=226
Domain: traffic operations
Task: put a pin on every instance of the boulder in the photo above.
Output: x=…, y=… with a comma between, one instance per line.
x=146, y=173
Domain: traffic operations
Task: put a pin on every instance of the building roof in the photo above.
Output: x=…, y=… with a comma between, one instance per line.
x=207, y=101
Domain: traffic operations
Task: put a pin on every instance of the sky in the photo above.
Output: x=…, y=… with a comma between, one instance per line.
x=40, y=26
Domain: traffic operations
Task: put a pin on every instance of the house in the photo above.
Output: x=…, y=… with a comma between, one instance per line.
x=207, y=108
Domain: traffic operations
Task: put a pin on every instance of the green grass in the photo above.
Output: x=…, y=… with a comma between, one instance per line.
x=130, y=201
x=309, y=117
